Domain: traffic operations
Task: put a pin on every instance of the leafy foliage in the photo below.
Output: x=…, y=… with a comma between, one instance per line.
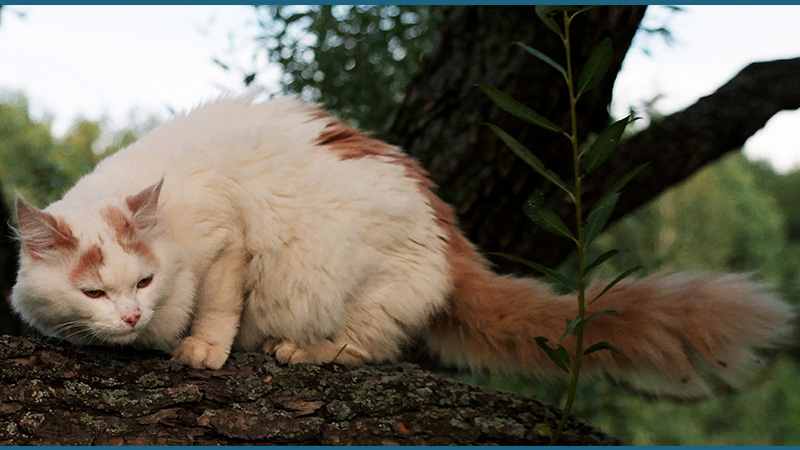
x=721, y=219
x=356, y=60
x=25, y=149
x=41, y=166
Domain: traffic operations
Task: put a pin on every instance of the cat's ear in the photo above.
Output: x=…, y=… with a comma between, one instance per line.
x=144, y=206
x=41, y=232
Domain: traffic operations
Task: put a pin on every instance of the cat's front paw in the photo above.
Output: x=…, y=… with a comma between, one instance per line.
x=198, y=353
x=286, y=351
x=324, y=352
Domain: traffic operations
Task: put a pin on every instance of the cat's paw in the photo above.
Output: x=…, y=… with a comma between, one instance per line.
x=288, y=352
x=198, y=353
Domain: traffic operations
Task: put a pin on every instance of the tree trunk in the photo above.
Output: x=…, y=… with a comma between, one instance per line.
x=54, y=394
x=439, y=123
x=8, y=272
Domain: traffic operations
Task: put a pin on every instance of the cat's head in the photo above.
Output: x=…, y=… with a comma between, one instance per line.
x=93, y=275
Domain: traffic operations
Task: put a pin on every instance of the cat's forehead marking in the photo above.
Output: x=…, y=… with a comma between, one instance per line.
x=126, y=234
x=88, y=266
x=120, y=223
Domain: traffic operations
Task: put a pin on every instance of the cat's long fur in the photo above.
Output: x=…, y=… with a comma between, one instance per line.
x=274, y=226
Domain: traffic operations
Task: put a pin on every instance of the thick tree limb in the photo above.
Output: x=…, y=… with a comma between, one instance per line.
x=439, y=123
x=57, y=394
x=440, y=120
x=681, y=143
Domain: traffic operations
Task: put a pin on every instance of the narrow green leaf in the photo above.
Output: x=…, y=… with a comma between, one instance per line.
x=545, y=217
x=600, y=260
x=614, y=282
x=508, y=104
x=599, y=314
x=618, y=186
x=339, y=353
x=605, y=144
x=540, y=268
x=605, y=346
x=529, y=158
x=564, y=355
x=546, y=13
x=571, y=324
x=596, y=66
x=544, y=58
x=220, y=63
x=598, y=219
x=558, y=355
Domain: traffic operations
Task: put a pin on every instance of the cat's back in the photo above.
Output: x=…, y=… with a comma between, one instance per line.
x=229, y=134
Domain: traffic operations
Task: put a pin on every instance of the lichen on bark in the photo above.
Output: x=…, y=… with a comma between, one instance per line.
x=54, y=393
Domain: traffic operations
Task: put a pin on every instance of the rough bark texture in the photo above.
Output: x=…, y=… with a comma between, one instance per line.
x=439, y=123
x=440, y=120
x=56, y=394
x=679, y=144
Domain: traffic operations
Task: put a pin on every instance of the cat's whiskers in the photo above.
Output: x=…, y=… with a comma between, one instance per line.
x=72, y=331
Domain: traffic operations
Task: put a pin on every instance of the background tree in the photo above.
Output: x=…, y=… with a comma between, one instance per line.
x=438, y=120
x=356, y=60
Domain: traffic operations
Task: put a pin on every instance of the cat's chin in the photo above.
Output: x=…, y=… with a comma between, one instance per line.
x=122, y=338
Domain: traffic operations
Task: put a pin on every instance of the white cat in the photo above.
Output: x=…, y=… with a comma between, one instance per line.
x=273, y=226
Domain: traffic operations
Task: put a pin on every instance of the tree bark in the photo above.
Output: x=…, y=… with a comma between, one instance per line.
x=53, y=394
x=439, y=123
x=678, y=145
x=8, y=271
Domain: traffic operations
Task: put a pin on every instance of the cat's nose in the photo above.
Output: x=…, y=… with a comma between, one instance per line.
x=132, y=318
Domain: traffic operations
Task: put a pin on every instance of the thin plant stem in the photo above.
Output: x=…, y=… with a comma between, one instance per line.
x=573, y=137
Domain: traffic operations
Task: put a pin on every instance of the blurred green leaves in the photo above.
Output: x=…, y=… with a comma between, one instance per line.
x=356, y=60
x=42, y=166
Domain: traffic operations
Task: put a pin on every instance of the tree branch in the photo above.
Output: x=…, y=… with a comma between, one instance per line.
x=683, y=142
x=439, y=122
x=57, y=394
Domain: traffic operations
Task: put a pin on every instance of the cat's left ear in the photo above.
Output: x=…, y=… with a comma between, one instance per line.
x=144, y=205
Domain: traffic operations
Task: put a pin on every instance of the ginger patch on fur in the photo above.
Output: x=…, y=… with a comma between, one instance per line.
x=127, y=235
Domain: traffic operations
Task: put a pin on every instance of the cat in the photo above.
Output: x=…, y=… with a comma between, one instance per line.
x=272, y=226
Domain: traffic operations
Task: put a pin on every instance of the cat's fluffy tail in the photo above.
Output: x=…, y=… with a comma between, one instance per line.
x=683, y=334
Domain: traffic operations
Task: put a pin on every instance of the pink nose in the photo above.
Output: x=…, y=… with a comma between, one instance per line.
x=132, y=318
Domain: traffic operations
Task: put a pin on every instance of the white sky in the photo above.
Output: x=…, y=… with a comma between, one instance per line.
x=107, y=61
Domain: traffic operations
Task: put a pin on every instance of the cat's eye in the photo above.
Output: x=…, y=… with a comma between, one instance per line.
x=144, y=282
x=93, y=293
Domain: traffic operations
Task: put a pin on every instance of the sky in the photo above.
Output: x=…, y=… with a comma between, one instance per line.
x=123, y=62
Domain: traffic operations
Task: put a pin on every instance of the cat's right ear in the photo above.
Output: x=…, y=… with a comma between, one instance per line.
x=144, y=205
x=41, y=232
